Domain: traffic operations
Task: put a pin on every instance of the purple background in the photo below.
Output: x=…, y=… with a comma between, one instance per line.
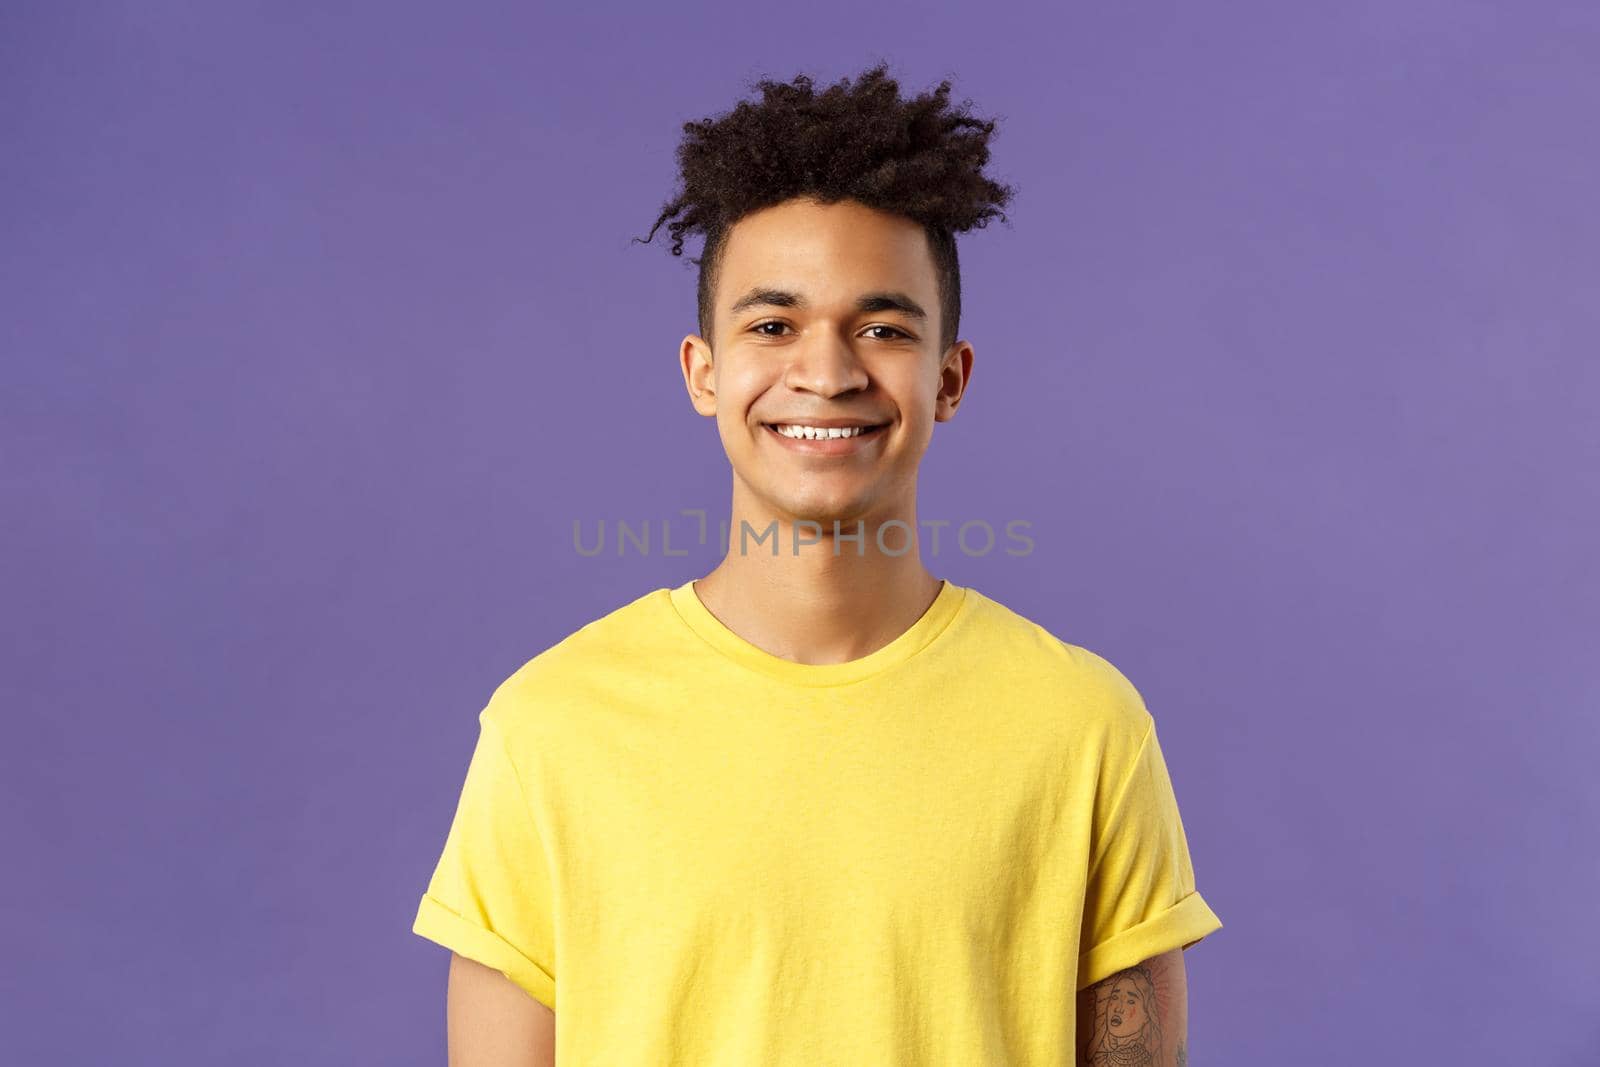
x=322, y=327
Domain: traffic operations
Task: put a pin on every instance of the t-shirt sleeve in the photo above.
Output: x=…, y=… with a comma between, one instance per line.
x=489, y=898
x=1140, y=900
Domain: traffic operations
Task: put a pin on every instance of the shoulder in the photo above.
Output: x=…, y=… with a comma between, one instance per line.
x=1083, y=685
x=569, y=673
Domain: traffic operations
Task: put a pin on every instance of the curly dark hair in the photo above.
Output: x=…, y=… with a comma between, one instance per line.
x=917, y=158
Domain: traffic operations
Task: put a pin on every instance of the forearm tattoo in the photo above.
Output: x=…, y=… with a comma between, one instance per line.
x=1128, y=1010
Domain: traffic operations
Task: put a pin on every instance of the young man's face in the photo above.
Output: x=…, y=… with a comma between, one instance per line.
x=795, y=346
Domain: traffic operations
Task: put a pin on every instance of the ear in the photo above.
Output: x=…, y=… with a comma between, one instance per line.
x=955, y=373
x=699, y=374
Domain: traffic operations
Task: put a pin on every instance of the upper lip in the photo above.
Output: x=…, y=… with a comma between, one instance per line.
x=822, y=422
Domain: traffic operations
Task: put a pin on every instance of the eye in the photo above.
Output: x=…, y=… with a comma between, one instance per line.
x=760, y=329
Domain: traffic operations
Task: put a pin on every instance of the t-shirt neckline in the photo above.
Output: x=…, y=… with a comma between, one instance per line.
x=911, y=641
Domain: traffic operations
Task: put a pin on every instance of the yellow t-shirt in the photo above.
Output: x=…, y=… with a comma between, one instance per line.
x=701, y=853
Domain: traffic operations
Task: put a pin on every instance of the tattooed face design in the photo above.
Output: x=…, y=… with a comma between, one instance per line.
x=1125, y=1009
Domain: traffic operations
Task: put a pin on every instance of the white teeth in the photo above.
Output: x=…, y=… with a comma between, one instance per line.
x=815, y=432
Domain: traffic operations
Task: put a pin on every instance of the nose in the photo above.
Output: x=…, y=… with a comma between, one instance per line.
x=826, y=366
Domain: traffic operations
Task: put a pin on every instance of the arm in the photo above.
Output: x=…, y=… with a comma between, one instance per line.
x=493, y=1023
x=1144, y=1007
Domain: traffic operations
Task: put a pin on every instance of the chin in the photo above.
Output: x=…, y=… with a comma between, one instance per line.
x=825, y=512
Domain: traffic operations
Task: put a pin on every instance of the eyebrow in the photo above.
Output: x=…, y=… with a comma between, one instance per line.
x=868, y=302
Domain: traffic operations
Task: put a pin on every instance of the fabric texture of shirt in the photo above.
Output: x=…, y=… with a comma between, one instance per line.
x=698, y=852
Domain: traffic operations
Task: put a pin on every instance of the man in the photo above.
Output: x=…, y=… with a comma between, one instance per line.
x=820, y=806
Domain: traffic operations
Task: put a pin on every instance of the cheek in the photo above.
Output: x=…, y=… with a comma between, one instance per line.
x=915, y=393
x=737, y=391
x=741, y=381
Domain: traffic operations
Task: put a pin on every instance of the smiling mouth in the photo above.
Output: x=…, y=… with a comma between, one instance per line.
x=798, y=432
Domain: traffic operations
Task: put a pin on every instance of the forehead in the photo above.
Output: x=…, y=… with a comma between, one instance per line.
x=828, y=252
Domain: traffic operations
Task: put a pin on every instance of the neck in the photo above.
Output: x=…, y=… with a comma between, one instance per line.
x=814, y=605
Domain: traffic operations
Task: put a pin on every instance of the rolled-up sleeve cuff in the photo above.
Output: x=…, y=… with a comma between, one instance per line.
x=436, y=922
x=1180, y=926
